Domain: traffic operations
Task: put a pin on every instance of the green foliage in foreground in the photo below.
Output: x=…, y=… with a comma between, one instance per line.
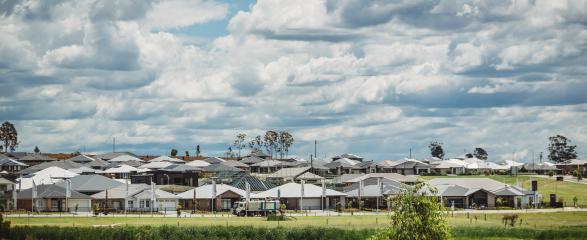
x=168, y=232
x=417, y=217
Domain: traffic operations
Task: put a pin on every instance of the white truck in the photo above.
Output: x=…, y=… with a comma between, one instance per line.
x=257, y=207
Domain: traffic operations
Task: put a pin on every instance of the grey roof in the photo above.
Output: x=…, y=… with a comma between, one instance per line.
x=111, y=155
x=97, y=163
x=64, y=164
x=256, y=184
x=206, y=191
x=50, y=191
x=309, y=176
x=235, y=164
x=5, y=181
x=6, y=161
x=270, y=163
x=366, y=164
x=221, y=168
x=345, y=177
x=339, y=164
x=258, y=153
x=120, y=191
x=484, y=183
x=36, y=157
x=129, y=163
x=82, y=158
x=91, y=183
x=134, y=190
x=180, y=168
x=573, y=162
x=391, y=176
x=288, y=172
x=164, y=158
x=213, y=160
x=251, y=160
x=373, y=190
x=318, y=164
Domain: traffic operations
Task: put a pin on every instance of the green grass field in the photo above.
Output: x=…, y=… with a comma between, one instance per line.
x=529, y=220
x=546, y=186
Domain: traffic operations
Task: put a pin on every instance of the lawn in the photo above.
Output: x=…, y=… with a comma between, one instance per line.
x=546, y=186
x=529, y=220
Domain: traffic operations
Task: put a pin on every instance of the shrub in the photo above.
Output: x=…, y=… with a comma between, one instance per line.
x=417, y=216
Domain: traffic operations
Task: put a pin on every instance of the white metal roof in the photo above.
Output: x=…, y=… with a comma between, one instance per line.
x=121, y=169
x=293, y=190
x=164, y=158
x=124, y=158
x=205, y=192
x=198, y=163
x=156, y=165
x=48, y=175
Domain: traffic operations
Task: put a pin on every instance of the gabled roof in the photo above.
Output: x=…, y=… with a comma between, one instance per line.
x=6, y=161
x=309, y=176
x=348, y=155
x=36, y=157
x=198, y=163
x=50, y=191
x=156, y=165
x=159, y=194
x=120, y=191
x=64, y=164
x=125, y=158
x=221, y=168
x=111, y=155
x=340, y=164
x=445, y=165
x=213, y=160
x=5, y=181
x=251, y=160
x=123, y=168
x=181, y=168
x=235, y=164
x=205, y=192
x=373, y=191
x=256, y=184
x=293, y=190
x=81, y=158
x=269, y=163
x=288, y=172
x=539, y=167
x=91, y=183
x=48, y=175
x=164, y=158
x=390, y=176
x=573, y=162
x=83, y=169
x=97, y=163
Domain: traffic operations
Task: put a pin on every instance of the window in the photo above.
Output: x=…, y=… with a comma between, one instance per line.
x=130, y=204
x=147, y=203
x=142, y=204
x=226, y=204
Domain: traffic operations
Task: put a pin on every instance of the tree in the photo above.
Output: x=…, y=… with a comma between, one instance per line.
x=37, y=150
x=256, y=144
x=480, y=153
x=271, y=141
x=239, y=142
x=560, y=150
x=285, y=141
x=187, y=153
x=173, y=152
x=229, y=152
x=8, y=136
x=436, y=149
x=198, y=150
x=416, y=216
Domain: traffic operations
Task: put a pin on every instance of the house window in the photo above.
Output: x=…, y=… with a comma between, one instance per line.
x=226, y=204
x=54, y=203
x=147, y=203
x=130, y=204
x=142, y=203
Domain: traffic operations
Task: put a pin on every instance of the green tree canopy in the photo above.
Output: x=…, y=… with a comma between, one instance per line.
x=560, y=150
x=8, y=136
x=416, y=216
x=480, y=153
x=436, y=149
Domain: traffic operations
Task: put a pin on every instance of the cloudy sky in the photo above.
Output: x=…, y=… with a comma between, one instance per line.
x=374, y=78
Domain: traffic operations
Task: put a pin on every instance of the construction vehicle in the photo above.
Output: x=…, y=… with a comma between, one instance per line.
x=257, y=207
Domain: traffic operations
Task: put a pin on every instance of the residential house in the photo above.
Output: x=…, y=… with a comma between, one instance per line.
x=224, y=197
x=348, y=156
x=268, y=166
x=53, y=198
x=91, y=184
x=136, y=197
x=6, y=194
x=405, y=167
x=293, y=175
x=570, y=166
x=9, y=165
x=479, y=193
x=32, y=159
x=48, y=175
x=310, y=198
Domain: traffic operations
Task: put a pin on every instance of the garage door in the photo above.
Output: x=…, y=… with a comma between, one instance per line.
x=312, y=204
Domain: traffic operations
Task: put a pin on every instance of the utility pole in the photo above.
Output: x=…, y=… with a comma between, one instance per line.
x=315, y=143
x=311, y=163
x=113, y=144
x=410, y=153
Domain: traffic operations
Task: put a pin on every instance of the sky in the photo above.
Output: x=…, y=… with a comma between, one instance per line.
x=374, y=78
